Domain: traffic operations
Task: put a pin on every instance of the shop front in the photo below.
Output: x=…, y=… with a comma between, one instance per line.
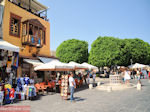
x=9, y=55
x=27, y=64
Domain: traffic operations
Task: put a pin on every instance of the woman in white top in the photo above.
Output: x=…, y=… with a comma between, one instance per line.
x=127, y=76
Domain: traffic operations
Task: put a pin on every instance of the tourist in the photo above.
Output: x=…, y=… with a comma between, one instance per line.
x=138, y=75
x=122, y=76
x=84, y=77
x=72, y=86
x=127, y=76
x=32, y=80
x=94, y=76
x=149, y=74
x=58, y=76
x=80, y=76
x=90, y=74
x=88, y=78
x=144, y=72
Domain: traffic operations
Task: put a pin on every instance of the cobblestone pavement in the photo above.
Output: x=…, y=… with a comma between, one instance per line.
x=130, y=100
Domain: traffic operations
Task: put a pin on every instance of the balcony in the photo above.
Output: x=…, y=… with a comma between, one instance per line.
x=33, y=33
x=32, y=6
x=31, y=40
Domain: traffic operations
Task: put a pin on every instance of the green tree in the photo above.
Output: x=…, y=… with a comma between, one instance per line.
x=137, y=50
x=73, y=50
x=106, y=51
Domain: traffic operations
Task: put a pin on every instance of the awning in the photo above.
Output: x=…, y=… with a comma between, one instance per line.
x=54, y=65
x=47, y=60
x=89, y=66
x=7, y=46
x=33, y=62
x=77, y=65
x=138, y=65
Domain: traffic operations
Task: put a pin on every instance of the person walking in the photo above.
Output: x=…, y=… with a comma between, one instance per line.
x=144, y=72
x=72, y=86
x=149, y=75
x=94, y=76
x=138, y=75
x=127, y=76
x=88, y=78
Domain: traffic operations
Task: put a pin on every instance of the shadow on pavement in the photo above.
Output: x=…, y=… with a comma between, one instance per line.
x=77, y=99
x=83, y=87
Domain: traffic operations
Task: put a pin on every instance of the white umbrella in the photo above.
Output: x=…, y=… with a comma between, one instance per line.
x=54, y=66
x=137, y=65
x=77, y=65
x=89, y=66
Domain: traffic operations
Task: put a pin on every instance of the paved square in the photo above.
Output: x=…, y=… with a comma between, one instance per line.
x=130, y=100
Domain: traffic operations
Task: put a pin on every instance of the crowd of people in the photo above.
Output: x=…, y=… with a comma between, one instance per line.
x=138, y=73
x=26, y=84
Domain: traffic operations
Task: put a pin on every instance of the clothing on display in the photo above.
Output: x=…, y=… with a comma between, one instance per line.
x=26, y=80
x=32, y=91
x=1, y=96
x=12, y=94
x=19, y=85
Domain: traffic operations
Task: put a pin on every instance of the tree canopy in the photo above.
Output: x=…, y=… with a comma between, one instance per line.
x=138, y=50
x=73, y=50
x=107, y=51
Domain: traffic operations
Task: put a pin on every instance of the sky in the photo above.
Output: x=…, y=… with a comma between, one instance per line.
x=88, y=19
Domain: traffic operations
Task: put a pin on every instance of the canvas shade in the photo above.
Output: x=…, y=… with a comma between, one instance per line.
x=33, y=62
x=54, y=66
x=7, y=46
x=138, y=65
x=89, y=66
x=46, y=60
x=77, y=65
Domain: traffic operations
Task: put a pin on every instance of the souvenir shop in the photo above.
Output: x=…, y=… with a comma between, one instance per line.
x=13, y=88
x=9, y=55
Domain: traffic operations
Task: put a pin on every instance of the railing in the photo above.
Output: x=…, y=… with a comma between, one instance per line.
x=31, y=41
x=25, y=6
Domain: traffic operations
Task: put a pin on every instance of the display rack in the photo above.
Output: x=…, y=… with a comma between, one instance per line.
x=64, y=86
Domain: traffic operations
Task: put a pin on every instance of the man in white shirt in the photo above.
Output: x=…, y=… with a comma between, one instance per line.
x=72, y=86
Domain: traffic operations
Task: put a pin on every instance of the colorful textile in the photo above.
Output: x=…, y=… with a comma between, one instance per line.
x=7, y=86
x=7, y=99
x=12, y=94
x=26, y=80
x=32, y=91
x=1, y=96
x=19, y=85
